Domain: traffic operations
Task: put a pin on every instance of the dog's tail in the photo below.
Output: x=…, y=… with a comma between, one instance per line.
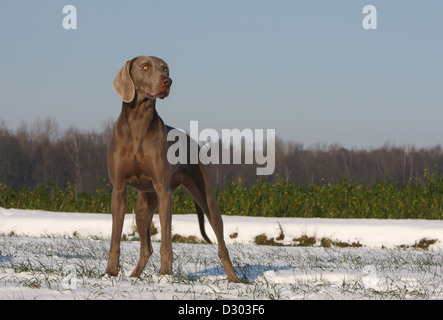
x=201, y=222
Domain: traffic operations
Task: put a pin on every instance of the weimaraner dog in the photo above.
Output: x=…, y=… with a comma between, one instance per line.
x=137, y=156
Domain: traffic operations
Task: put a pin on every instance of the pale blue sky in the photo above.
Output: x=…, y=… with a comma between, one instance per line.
x=307, y=68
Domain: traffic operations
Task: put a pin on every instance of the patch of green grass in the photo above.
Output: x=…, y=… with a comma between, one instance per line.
x=421, y=198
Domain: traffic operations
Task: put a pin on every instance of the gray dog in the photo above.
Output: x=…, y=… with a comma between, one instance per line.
x=138, y=157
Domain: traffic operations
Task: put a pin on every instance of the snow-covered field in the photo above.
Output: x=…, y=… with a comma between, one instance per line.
x=54, y=255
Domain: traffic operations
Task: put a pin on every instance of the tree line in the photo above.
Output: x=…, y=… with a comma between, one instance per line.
x=42, y=153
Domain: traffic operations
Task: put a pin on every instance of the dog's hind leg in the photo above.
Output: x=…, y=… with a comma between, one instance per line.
x=146, y=204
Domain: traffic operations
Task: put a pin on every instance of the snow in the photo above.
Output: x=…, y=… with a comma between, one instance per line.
x=368, y=232
x=56, y=255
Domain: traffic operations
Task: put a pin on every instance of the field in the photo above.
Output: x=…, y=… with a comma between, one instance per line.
x=286, y=240
x=419, y=199
x=55, y=255
x=42, y=268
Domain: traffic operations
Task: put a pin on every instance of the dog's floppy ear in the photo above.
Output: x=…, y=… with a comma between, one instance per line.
x=123, y=84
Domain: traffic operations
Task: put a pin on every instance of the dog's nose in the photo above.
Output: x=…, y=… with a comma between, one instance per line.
x=167, y=82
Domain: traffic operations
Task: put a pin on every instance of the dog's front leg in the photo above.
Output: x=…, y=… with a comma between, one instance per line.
x=118, y=207
x=165, y=212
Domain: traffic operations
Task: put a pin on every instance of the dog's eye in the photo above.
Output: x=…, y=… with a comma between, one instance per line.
x=165, y=69
x=145, y=67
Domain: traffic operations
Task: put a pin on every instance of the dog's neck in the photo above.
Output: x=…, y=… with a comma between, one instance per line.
x=139, y=115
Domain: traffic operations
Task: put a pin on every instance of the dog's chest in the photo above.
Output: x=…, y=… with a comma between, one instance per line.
x=140, y=167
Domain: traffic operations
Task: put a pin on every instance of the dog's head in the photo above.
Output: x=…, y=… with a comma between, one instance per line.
x=149, y=76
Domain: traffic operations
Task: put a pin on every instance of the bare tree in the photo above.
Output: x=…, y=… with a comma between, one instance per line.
x=72, y=147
